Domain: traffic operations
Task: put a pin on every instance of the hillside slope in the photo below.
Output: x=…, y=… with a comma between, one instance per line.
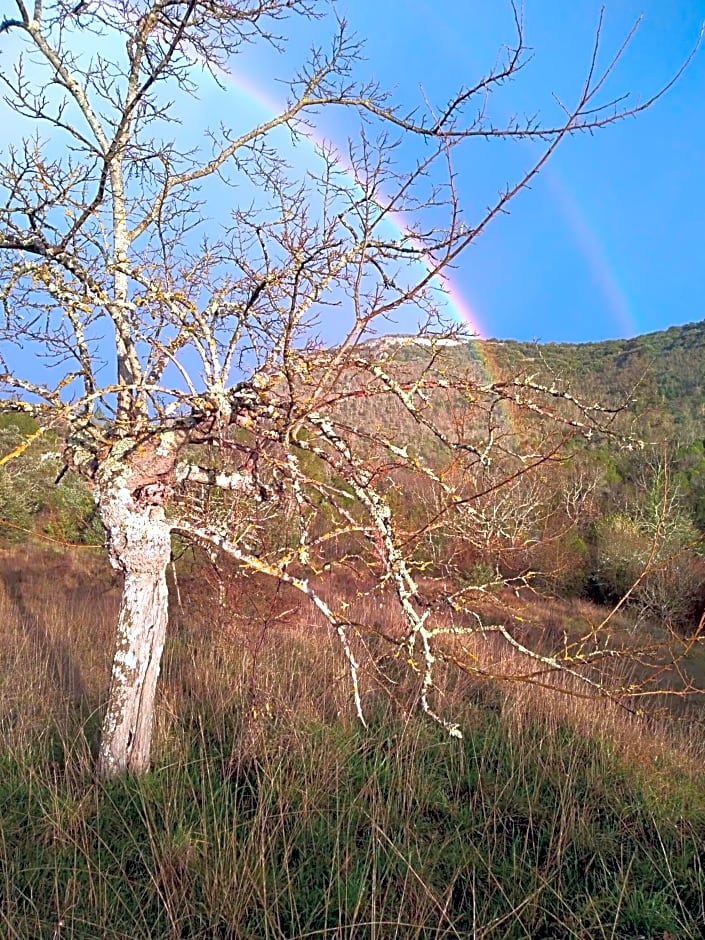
x=662, y=373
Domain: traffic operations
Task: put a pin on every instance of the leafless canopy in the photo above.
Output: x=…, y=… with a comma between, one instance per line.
x=146, y=321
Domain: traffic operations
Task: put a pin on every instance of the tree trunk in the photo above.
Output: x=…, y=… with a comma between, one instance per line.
x=140, y=546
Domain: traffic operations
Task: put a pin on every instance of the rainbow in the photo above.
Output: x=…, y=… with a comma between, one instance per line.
x=593, y=253
x=460, y=309
x=457, y=304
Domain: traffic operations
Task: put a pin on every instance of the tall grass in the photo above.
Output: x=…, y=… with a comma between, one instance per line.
x=271, y=813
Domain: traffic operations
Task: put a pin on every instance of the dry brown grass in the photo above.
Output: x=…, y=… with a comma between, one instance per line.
x=57, y=612
x=265, y=647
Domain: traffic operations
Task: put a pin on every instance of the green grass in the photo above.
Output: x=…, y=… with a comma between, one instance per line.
x=328, y=830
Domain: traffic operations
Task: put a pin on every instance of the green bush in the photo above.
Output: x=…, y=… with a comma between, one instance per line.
x=36, y=496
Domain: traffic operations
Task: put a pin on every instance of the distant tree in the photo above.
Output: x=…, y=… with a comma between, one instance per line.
x=196, y=336
x=650, y=553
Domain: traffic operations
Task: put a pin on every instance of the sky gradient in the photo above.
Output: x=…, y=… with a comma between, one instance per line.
x=608, y=242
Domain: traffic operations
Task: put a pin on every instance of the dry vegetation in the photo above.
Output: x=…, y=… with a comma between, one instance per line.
x=272, y=813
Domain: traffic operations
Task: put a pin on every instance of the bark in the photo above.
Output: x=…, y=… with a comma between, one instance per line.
x=140, y=546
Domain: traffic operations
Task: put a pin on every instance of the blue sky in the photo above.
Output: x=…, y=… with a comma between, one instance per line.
x=609, y=241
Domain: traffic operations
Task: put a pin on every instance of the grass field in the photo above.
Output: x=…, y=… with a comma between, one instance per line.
x=271, y=813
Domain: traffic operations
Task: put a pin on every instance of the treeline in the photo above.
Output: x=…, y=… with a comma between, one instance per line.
x=659, y=375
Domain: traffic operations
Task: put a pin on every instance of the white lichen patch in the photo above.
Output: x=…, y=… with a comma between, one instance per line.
x=167, y=444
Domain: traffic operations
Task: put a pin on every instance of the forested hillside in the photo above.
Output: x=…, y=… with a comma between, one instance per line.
x=663, y=373
x=658, y=376
x=586, y=527
x=656, y=379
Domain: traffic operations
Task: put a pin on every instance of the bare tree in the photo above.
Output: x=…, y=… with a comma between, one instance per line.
x=151, y=335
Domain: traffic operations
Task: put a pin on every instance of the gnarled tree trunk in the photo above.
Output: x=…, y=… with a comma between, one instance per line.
x=139, y=539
